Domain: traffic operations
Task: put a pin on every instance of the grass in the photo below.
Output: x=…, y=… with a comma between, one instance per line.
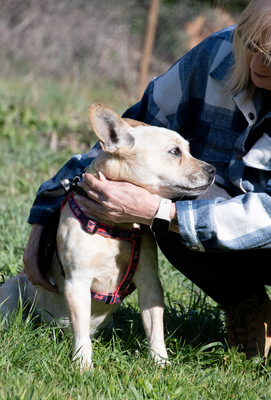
x=35, y=361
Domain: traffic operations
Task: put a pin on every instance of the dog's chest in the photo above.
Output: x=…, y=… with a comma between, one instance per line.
x=100, y=261
x=109, y=264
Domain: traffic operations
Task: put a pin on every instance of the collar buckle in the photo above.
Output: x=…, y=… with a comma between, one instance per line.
x=90, y=226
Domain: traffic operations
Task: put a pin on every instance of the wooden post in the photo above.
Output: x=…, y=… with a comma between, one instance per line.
x=148, y=45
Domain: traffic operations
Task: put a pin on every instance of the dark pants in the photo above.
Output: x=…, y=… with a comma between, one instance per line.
x=227, y=277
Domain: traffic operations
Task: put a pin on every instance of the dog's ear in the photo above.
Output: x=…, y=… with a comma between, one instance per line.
x=112, y=131
x=134, y=123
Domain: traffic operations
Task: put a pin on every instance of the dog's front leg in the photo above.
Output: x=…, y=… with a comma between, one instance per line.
x=151, y=303
x=77, y=296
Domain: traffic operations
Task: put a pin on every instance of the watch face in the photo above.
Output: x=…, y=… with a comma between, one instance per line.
x=160, y=225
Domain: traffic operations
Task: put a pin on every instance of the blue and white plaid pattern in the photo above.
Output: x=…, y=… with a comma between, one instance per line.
x=191, y=98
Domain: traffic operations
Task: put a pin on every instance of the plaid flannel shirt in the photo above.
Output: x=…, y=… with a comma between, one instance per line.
x=230, y=132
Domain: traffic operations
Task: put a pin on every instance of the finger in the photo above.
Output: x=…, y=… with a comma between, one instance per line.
x=90, y=179
x=91, y=206
x=90, y=184
x=95, y=189
x=47, y=285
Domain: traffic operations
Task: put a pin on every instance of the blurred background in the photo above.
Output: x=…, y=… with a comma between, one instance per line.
x=87, y=41
x=60, y=55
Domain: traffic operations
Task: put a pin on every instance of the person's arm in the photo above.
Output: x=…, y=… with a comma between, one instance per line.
x=30, y=259
x=41, y=211
x=242, y=223
x=122, y=202
x=43, y=207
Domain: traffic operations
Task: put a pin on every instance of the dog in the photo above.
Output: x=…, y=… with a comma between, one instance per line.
x=155, y=158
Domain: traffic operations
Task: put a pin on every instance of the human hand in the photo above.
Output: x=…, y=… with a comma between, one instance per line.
x=118, y=201
x=30, y=259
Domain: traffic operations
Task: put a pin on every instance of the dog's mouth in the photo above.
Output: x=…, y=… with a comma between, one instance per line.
x=190, y=193
x=187, y=192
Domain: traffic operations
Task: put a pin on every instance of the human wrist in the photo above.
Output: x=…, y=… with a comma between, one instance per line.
x=173, y=212
x=151, y=209
x=161, y=221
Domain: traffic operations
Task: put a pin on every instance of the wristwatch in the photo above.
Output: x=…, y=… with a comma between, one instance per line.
x=161, y=221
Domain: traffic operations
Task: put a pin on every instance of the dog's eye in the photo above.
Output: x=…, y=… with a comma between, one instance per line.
x=176, y=151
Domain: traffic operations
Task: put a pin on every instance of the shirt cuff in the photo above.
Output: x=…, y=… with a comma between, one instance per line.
x=186, y=221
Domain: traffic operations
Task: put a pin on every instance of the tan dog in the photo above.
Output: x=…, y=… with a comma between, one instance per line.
x=154, y=158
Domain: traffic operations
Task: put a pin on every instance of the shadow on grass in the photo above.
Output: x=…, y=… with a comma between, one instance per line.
x=197, y=328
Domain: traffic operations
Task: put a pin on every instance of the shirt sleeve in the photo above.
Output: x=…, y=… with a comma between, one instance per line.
x=43, y=207
x=241, y=223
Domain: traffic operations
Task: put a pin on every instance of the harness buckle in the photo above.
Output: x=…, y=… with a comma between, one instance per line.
x=90, y=226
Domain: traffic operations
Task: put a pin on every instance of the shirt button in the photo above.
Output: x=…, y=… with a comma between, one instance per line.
x=251, y=116
x=195, y=248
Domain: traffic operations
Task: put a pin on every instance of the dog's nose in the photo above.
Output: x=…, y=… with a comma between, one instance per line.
x=210, y=169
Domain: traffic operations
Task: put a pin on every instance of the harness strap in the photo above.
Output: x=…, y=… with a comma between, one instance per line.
x=134, y=236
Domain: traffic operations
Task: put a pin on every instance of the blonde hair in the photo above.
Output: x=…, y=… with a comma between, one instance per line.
x=254, y=23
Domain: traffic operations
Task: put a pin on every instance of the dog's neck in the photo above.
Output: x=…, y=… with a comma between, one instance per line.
x=95, y=172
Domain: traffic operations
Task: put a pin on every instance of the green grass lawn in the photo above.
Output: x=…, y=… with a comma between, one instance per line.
x=35, y=361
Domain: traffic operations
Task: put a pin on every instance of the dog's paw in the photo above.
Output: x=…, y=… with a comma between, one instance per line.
x=162, y=362
x=86, y=367
x=83, y=358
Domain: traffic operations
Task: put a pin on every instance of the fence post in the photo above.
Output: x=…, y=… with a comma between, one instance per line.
x=148, y=45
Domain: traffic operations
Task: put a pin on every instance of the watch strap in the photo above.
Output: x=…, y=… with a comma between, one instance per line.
x=163, y=212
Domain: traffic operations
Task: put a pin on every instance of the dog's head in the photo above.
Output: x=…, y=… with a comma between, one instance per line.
x=155, y=158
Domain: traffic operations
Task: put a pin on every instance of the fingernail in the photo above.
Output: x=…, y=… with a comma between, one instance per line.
x=52, y=281
x=102, y=177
